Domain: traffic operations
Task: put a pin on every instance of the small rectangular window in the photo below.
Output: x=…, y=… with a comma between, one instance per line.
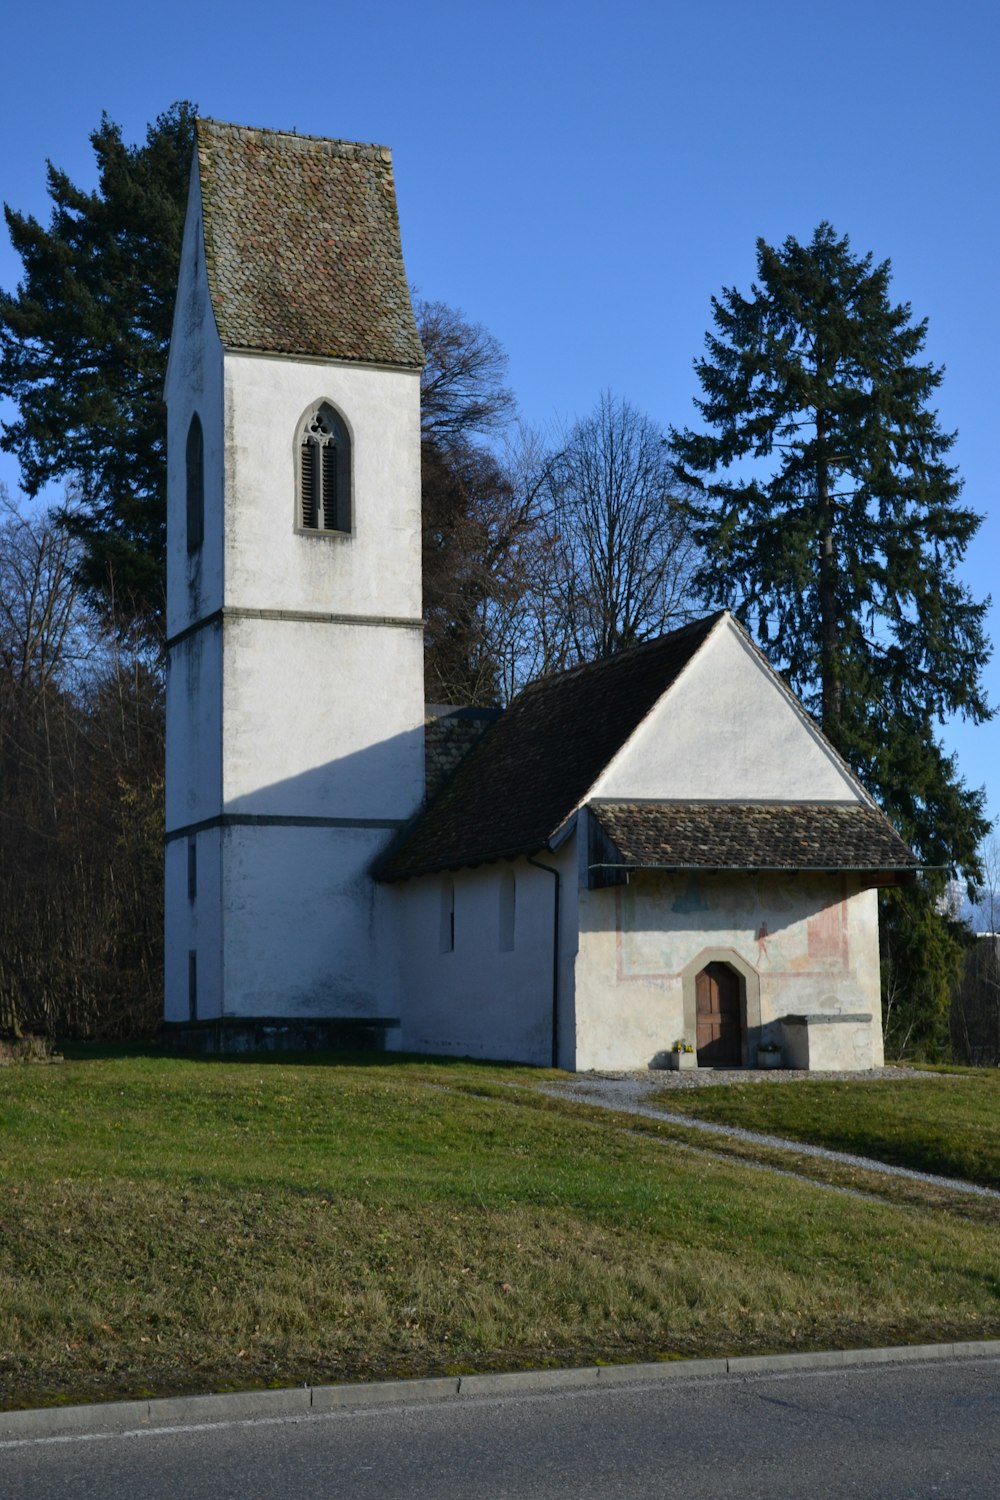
x=192, y=869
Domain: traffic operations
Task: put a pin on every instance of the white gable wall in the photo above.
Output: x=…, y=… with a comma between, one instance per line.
x=726, y=730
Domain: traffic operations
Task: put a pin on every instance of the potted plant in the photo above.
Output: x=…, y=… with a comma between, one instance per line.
x=682, y=1055
x=769, y=1055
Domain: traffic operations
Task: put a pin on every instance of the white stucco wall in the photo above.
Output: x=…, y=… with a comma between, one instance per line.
x=194, y=728
x=480, y=1000
x=270, y=565
x=811, y=941
x=322, y=720
x=194, y=925
x=299, y=929
x=727, y=730
x=194, y=383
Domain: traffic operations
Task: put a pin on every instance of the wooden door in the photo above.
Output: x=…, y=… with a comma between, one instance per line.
x=720, y=1032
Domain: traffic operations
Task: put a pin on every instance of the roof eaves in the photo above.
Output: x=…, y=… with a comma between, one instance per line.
x=467, y=860
x=255, y=352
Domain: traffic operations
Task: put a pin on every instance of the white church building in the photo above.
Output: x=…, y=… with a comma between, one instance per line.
x=653, y=849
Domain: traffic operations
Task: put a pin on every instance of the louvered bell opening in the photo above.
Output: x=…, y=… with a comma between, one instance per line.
x=331, y=519
x=309, y=486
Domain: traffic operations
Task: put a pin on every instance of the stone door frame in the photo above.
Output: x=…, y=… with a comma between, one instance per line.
x=750, y=1019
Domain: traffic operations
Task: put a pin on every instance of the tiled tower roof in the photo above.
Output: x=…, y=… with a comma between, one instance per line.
x=302, y=246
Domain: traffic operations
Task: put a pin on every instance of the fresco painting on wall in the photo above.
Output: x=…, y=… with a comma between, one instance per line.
x=772, y=922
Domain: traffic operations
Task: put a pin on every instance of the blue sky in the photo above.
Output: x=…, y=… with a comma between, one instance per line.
x=582, y=178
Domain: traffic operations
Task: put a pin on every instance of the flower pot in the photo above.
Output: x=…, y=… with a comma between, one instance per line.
x=680, y=1060
x=768, y=1059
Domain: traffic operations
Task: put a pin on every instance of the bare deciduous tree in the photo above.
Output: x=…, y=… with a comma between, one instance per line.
x=81, y=783
x=622, y=554
x=462, y=388
x=470, y=520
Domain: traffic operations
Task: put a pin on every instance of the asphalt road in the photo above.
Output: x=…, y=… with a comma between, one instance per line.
x=882, y=1433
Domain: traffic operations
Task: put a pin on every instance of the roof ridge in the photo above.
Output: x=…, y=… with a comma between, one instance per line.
x=627, y=652
x=295, y=135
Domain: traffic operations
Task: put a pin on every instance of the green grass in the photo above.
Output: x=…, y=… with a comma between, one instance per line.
x=169, y=1225
x=947, y=1122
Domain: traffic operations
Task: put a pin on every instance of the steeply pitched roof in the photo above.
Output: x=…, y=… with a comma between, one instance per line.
x=750, y=836
x=302, y=246
x=533, y=767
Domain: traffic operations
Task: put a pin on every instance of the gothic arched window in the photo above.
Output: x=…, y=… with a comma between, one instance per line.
x=323, y=455
x=195, y=459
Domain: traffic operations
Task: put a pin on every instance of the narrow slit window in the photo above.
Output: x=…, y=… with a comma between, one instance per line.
x=192, y=984
x=324, y=477
x=508, y=910
x=192, y=847
x=447, y=915
x=195, y=457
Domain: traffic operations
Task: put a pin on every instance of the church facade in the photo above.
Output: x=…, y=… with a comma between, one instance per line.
x=654, y=849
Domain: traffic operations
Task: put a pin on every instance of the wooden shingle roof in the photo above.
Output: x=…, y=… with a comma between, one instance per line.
x=302, y=246
x=750, y=836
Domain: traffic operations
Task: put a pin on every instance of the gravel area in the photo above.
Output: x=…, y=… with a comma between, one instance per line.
x=699, y=1078
x=629, y=1092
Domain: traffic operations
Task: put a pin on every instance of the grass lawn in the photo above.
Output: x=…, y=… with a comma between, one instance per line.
x=170, y=1225
x=947, y=1122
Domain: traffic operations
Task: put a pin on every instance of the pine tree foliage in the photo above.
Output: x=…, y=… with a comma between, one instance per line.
x=829, y=518
x=83, y=349
x=923, y=952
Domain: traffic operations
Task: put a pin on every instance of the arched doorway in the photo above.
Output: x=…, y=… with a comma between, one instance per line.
x=720, y=1024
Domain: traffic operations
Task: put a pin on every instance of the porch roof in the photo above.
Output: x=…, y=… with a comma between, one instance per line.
x=800, y=836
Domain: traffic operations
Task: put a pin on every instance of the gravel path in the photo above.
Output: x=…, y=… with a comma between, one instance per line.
x=628, y=1092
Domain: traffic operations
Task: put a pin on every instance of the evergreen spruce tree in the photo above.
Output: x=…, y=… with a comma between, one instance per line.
x=83, y=349
x=830, y=521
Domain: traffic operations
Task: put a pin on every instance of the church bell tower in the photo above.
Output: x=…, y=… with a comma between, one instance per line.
x=295, y=659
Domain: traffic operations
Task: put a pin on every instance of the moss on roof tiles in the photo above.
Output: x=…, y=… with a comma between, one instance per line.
x=752, y=836
x=302, y=246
